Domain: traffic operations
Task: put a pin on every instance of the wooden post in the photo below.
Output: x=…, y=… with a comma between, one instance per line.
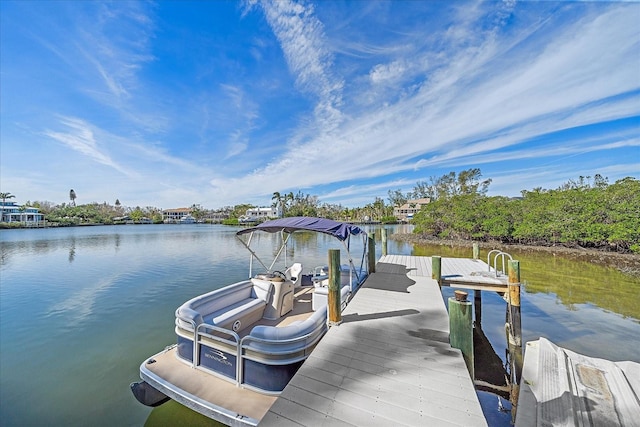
x=335, y=317
x=514, y=301
x=514, y=332
x=383, y=233
x=372, y=255
x=436, y=266
x=461, y=328
x=476, y=251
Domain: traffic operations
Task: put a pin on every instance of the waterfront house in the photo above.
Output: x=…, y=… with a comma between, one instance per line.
x=407, y=210
x=173, y=216
x=12, y=212
x=261, y=214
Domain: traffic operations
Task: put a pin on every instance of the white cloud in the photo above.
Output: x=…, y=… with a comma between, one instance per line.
x=481, y=102
x=384, y=73
x=80, y=137
x=301, y=36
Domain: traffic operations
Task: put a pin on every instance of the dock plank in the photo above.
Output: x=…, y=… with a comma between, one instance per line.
x=388, y=363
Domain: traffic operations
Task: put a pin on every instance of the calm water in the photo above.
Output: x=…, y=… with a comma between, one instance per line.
x=81, y=308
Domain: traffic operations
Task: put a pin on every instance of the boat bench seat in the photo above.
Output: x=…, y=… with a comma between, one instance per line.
x=240, y=310
x=244, y=301
x=288, y=339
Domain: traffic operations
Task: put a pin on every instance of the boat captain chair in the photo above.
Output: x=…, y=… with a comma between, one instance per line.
x=294, y=273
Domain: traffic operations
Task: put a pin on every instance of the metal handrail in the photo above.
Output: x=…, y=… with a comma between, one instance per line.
x=498, y=253
x=196, y=343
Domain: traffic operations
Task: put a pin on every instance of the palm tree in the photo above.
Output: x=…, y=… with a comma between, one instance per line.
x=5, y=196
x=22, y=210
x=72, y=196
x=277, y=197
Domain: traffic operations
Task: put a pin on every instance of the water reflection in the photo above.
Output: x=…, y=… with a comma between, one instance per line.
x=574, y=283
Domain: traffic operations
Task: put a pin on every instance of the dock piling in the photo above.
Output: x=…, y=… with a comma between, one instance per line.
x=476, y=251
x=372, y=255
x=461, y=328
x=514, y=332
x=333, y=299
x=383, y=236
x=436, y=268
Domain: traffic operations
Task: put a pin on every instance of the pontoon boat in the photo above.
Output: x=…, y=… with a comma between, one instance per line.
x=239, y=346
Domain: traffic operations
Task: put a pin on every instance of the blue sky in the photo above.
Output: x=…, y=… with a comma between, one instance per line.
x=168, y=104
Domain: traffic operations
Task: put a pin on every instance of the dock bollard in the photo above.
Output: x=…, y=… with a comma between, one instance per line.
x=461, y=328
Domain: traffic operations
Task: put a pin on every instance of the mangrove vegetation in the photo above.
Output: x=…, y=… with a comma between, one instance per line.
x=585, y=213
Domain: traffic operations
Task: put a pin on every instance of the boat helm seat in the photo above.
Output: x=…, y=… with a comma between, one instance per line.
x=269, y=277
x=294, y=273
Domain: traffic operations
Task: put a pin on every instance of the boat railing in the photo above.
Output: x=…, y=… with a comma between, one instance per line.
x=203, y=330
x=269, y=351
x=276, y=351
x=216, y=336
x=497, y=254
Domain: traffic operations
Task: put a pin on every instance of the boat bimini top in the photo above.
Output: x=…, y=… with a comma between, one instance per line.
x=288, y=226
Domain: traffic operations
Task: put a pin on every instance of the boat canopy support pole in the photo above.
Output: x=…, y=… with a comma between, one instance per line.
x=282, y=247
x=253, y=255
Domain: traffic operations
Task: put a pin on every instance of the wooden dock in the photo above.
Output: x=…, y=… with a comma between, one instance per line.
x=389, y=362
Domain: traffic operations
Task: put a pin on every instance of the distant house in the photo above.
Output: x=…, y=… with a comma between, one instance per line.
x=261, y=214
x=173, y=216
x=11, y=212
x=407, y=210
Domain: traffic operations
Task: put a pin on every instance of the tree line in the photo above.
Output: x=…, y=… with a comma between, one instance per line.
x=587, y=212
x=301, y=204
x=580, y=213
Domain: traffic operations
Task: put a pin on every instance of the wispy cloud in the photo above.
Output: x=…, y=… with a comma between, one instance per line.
x=302, y=39
x=340, y=99
x=483, y=100
x=117, y=45
x=79, y=136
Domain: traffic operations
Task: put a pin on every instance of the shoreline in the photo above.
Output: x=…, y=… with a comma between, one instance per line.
x=626, y=263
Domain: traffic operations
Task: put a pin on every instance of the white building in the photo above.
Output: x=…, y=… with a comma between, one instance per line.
x=11, y=212
x=261, y=214
x=173, y=216
x=406, y=211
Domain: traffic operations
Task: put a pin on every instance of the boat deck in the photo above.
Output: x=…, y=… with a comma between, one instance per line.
x=301, y=310
x=232, y=403
x=388, y=363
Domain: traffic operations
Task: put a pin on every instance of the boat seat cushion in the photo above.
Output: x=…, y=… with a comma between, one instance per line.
x=295, y=330
x=243, y=301
x=235, y=311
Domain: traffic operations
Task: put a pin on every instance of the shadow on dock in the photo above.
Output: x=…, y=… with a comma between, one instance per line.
x=355, y=317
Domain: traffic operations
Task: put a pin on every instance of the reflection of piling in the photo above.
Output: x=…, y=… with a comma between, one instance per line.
x=372, y=255
x=461, y=327
x=333, y=299
x=383, y=236
x=477, y=307
x=514, y=332
x=476, y=251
